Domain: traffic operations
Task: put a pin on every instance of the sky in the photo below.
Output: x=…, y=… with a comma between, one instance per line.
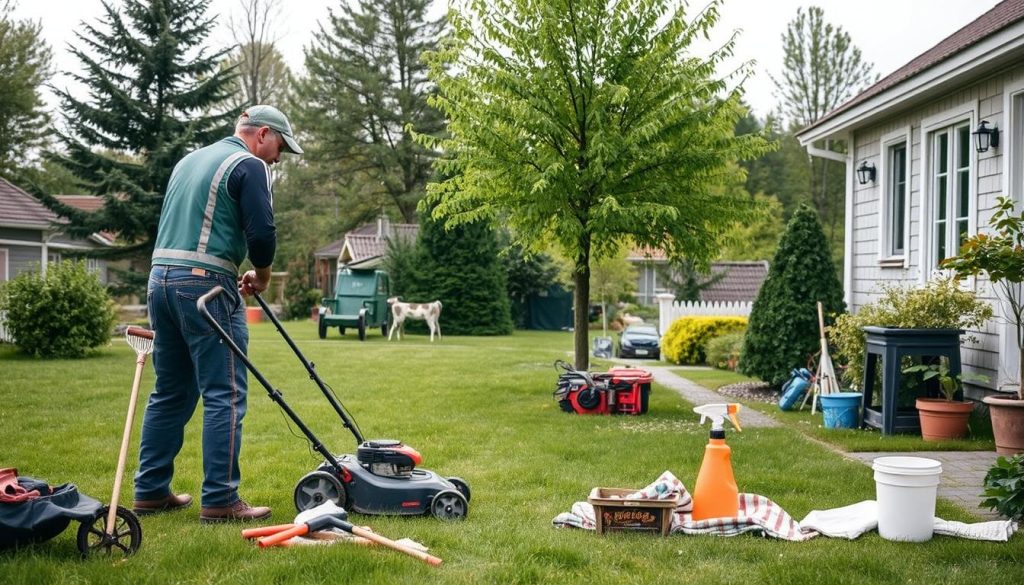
x=889, y=33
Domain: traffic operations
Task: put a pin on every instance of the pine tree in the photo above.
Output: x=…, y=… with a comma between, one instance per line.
x=460, y=267
x=151, y=87
x=366, y=87
x=783, y=328
x=24, y=68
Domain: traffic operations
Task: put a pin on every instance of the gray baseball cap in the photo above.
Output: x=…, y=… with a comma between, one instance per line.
x=275, y=119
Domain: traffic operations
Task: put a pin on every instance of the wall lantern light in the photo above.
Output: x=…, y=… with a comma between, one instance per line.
x=866, y=173
x=985, y=137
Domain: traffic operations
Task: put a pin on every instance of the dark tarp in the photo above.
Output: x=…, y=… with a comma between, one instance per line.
x=42, y=518
x=550, y=310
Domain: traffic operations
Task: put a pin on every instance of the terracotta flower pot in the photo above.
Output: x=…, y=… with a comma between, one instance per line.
x=943, y=419
x=1007, y=414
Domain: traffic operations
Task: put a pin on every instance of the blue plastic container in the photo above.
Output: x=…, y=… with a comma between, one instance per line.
x=841, y=409
x=795, y=388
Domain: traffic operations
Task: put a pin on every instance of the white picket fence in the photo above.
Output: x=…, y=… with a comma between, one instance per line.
x=669, y=310
x=5, y=337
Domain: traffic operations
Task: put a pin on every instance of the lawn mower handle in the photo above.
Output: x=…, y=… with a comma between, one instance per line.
x=275, y=394
x=346, y=419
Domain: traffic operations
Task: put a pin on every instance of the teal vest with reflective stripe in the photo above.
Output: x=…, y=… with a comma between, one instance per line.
x=200, y=224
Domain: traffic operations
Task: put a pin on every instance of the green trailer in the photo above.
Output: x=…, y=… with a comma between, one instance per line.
x=360, y=301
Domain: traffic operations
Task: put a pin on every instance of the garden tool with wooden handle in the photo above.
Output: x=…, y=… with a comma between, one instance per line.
x=141, y=340
x=276, y=535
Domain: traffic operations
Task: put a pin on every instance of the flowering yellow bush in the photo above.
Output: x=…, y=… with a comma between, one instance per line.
x=687, y=337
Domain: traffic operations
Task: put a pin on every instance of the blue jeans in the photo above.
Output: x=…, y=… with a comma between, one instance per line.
x=191, y=362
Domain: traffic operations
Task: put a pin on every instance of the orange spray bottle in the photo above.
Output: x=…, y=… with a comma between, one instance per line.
x=715, y=494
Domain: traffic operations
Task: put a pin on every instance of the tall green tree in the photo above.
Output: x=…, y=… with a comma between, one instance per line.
x=822, y=68
x=24, y=67
x=588, y=123
x=151, y=83
x=366, y=86
x=783, y=330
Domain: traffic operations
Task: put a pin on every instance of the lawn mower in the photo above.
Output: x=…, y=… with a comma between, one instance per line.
x=620, y=390
x=381, y=478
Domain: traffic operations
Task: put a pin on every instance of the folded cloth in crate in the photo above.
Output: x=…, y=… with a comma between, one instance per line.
x=41, y=518
x=759, y=515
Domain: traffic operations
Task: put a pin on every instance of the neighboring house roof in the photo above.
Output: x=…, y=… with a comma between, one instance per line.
x=367, y=244
x=741, y=281
x=970, y=51
x=18, y=209
x=89, y=204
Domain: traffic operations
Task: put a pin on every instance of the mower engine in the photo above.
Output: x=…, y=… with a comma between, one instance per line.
x=388, y=458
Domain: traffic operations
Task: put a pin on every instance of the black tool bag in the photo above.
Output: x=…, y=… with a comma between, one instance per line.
x=40, y=519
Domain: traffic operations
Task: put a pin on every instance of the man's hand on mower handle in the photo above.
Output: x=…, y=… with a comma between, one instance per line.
x=254, y=281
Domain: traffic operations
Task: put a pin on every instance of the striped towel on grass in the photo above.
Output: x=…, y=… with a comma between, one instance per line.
x=757, y=514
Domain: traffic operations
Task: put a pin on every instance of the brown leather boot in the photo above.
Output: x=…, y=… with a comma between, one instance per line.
x=167, y=504
x=239, y=511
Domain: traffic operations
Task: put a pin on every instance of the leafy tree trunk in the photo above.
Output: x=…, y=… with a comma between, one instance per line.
x=581, y=306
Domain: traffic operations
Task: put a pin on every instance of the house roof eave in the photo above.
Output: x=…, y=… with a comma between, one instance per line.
x=1003, y=48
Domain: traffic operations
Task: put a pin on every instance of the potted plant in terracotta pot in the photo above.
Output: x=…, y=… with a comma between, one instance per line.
x=1000, y=256
x=946, y=417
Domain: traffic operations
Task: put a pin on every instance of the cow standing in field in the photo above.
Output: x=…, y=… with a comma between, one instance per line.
x=429, y=312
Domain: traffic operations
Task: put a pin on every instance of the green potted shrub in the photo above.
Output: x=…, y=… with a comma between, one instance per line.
x=1004, y=487
x=999, y=256
x=946, y=417
x=940, y=304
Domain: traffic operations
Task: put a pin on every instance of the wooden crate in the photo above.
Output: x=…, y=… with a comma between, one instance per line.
x=622, y=515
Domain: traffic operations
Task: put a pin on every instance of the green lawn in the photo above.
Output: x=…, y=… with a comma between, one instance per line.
x=479, y=408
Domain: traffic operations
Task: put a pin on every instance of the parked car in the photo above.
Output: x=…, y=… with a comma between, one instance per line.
x=639, y=340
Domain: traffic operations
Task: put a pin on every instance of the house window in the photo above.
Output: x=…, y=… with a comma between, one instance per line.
x=950, y=166
x=53, y=258
x=92, y=265
x=896, y=194
x=3, y=266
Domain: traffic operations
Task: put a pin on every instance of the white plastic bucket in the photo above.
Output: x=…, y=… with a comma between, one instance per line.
x=905, y=489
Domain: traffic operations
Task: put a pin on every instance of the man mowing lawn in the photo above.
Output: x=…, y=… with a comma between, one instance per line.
x=218, y=208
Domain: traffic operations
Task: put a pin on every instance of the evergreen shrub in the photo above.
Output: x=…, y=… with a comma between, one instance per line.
x=723, y=352
x=61, y=315
x=783, y=329
x=459, y=267
x=686, y=340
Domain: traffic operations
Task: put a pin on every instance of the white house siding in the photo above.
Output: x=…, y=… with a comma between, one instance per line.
x=984, y=100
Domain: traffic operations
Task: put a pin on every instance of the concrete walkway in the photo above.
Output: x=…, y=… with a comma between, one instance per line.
x=962, y=471
x=700, y=395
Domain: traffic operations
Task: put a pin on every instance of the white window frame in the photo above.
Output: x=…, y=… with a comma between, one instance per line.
x=5, y=266
x=1011, y=143
x=965, y=114
x=886, y=257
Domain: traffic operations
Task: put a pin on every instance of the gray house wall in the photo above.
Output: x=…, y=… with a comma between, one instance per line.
x=994, y=173
x=27, y=257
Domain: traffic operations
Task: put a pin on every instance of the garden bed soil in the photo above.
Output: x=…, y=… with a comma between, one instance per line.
x=755, y=391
